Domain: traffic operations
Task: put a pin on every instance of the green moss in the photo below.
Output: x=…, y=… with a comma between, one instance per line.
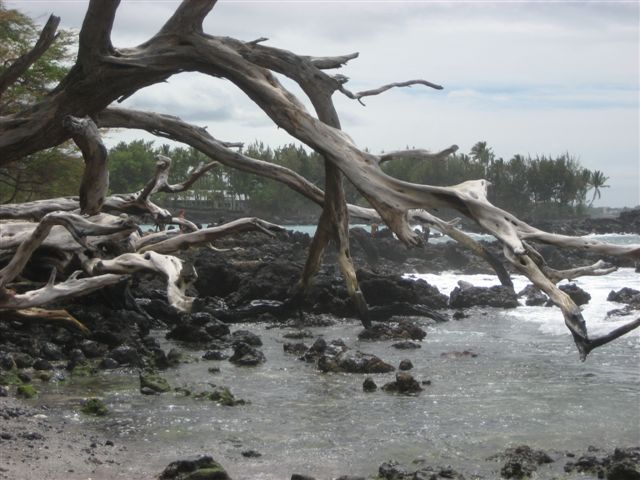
x=211, y=473
x=44, y=376
x=9, y=378
x=26, y=391
x=223, y=396
x=154, y=382
x=94, y=406
x=83, y=370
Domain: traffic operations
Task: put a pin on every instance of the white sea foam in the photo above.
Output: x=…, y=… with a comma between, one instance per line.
x=550, y=318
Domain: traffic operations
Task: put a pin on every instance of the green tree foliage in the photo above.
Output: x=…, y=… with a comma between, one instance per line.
x=50, y=173
x=528, y=186
x=131, y=166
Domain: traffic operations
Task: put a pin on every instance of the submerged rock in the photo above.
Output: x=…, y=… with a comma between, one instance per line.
x=369, y=385
x=533, y=296
x=403, y=330
x=153, y=383
x=353, y=362
x=404, y=383
x=245, y=355
x=94, y=406
x=202, y=468
x=521, y=461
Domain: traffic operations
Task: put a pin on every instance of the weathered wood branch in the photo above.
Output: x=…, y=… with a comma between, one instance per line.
x=178, y=275
x=95, y=179
x=177, y=242
x=71, y=288
x=37, y=315
x=78, y=227
x=95, y=33
x=377, y=91
x=16, y=69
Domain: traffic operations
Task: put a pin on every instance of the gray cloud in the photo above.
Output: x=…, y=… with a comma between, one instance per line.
x=526, y=77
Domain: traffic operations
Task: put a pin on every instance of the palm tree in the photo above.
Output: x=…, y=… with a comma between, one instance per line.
x=597, y=181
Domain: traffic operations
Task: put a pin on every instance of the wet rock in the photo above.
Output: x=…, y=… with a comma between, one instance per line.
x=215, y=355
x=298, y=335
x=404, y=329
x=406, y=345
x=221, y=395
x=51, y=351
x=108, y=363
x=298, y=348
x=456, y=354
x=245, y=336
x=42, y=364
x=189, y=333
x=24, y=377
x=578, y=295
x=404, y=383
x=533, y=296
x=350, y=477
x=250, y=454
x=202, y=468
x=215, y=327
x=469, y=296
x=521, y=461
x=26, y=391
x=4, y=391
x=94, y=406
x=369, y=385
x=393, y=471
x=154, y=382
x=298, y=476
x=405, y=365
x=246, y=355
x=353, y=362
x=23, y=360
x=91, y=348
x=622, y=464
x=385, y=290
x=126, y=356
x=625, y=295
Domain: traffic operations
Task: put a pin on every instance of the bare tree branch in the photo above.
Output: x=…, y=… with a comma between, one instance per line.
x=95, y=179
x=22, y=64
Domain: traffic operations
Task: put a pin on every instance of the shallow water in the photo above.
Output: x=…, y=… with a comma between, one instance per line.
x=526, y=385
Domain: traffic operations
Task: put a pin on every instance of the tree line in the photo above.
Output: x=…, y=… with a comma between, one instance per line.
x=530, y=186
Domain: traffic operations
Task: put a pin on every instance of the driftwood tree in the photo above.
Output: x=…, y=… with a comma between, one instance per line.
x=103, y=74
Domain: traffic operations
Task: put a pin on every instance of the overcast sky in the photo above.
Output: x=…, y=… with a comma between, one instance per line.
x=528, y=78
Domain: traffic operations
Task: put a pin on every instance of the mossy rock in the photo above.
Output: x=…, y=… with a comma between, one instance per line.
x=154, y=382
x=208, y=474
x=94, y=406
x=10, y=378
x=221, y=395
x=203, y=468
x=84, y=370
x=26, y=391
x=44, y=376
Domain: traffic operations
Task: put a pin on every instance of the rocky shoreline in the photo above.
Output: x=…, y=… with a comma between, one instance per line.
x=248, y=279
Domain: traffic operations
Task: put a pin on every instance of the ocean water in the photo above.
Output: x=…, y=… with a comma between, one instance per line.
x=526, y=385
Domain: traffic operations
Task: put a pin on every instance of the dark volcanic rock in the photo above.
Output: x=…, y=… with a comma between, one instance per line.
x=126, y=355
x=247, y=337
x=622, y=464
x=625, y=295
x=297, y=348
x=521, y=461
x=533, y=296
x=350, y=361
x=385, y=290
x=578, y=295
x=369, y=385
x=403, y=330
x=246, y=355
x=404, y=383
x=405, y=365
x=202, y=468
x=469, y=296
x=406, y=345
